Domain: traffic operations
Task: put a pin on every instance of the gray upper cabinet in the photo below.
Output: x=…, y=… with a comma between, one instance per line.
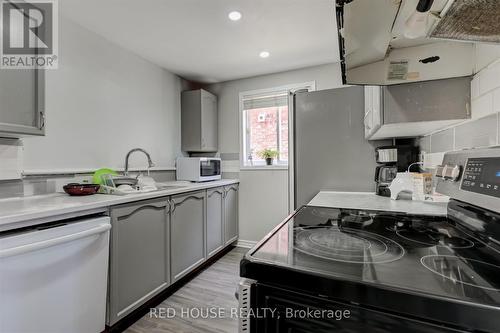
x=428, y=101
x=187, y=233
x=199, y=121
x=416, y=109
x=22, y=103
x=215, y=220
x=230, y=213
x=139, y=256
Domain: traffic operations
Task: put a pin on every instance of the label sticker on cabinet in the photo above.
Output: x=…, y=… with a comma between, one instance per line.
x=413, y=75
x=398, y=70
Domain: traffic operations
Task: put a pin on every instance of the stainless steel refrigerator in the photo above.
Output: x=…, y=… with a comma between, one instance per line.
x=329, y=148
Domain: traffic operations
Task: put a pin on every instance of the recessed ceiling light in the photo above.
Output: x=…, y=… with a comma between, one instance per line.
x=234, y=16
x=264, y=54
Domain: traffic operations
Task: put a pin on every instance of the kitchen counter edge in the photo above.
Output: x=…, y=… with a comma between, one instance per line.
x=27, y=211
x=371, y=201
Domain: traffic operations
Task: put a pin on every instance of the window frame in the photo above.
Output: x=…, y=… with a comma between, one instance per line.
x=290, y=88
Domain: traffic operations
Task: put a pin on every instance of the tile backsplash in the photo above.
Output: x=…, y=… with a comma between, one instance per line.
x=11, y=159
x=48, y=184
x=442, y=141
x=479, y=133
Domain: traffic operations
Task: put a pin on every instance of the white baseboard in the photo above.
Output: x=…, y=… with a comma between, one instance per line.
x=245, y=243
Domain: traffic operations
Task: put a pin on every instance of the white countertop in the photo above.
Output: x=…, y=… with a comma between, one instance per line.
x=25, y=211
x=371, y=201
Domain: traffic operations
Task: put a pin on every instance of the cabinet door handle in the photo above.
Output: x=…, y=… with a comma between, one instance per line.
x=9, y=252
x=41, y=120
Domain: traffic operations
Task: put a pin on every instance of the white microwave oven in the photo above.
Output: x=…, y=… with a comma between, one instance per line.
x=198, y=169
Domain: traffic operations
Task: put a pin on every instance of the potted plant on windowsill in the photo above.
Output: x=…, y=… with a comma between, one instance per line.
x=268, y=155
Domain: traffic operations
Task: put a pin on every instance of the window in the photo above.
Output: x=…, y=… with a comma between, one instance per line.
x=265, y=123
x=266, y=127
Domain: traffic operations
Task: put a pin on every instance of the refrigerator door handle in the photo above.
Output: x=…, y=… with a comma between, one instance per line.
x=17, y=250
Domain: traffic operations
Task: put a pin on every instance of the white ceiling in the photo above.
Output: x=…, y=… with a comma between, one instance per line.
x=196, y=40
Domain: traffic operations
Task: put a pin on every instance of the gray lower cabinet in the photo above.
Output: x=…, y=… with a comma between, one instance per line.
x=155, y=243
x=187, y=233
x=230, y=213
x=215, y=220
x=139, y=255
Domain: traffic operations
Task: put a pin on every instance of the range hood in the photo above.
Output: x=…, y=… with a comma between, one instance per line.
x=384, y=42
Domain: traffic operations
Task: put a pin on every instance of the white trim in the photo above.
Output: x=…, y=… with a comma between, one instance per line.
x=230, y=166
x=287, y=87
x=241, y=132
x=264, y=167
x=262, y=163
x=246, y=243
x=311, y=85
x=291, y=155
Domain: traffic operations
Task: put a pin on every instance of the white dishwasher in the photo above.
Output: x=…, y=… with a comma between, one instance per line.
x=53, y=277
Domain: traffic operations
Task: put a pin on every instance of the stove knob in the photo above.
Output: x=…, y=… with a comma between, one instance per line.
x=452, y=172
x=440, y=171
x=455, y=174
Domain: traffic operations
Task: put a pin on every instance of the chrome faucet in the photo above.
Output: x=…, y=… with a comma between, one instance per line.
x=150, y=162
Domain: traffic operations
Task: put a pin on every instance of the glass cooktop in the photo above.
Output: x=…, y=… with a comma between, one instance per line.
x=413, y=253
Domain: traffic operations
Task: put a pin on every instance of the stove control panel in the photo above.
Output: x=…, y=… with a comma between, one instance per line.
x=482, y=175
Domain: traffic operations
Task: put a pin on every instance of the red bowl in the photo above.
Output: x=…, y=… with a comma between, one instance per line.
x=81, y=189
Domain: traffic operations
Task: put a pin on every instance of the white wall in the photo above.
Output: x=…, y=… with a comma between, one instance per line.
x=263, y=202
x=263, y=193
x=326, y=77
x=100, y=103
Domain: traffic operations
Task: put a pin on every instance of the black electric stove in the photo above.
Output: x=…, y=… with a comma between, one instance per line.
x=392, y=271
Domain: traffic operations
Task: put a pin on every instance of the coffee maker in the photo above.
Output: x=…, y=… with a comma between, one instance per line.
x=391, y=160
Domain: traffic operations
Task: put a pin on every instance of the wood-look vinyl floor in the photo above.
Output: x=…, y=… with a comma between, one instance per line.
x=212, y=289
